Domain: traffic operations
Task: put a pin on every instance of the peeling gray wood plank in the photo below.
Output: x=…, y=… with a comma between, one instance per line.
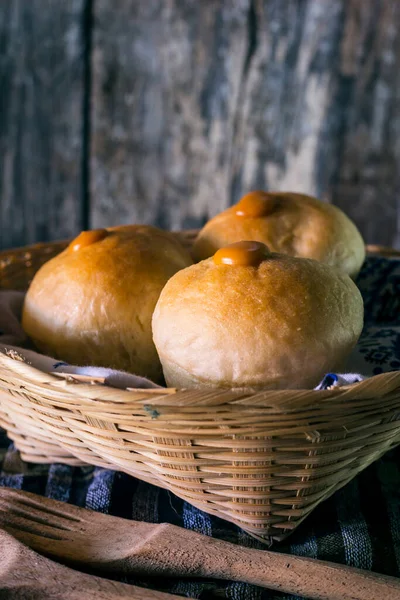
x=166, y=83
x=41, y=96
x=367, y=177
x=284, y=117
x=320, y=111
x=195, y=103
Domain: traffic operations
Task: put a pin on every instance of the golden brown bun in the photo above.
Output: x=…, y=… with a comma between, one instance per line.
x=297, y=225
x=94, y=306
x=282, y=324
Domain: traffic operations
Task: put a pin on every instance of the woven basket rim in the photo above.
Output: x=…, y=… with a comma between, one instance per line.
x=376, y=385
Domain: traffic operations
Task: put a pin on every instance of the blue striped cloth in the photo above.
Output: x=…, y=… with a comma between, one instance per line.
x=358, y=526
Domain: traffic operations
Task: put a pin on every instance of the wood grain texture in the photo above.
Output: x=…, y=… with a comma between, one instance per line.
x=366, y=179
x=167, y=79
x=320, y=112
x=195, y=103
x=284, y=123
x=41, y=95
x=26, y=575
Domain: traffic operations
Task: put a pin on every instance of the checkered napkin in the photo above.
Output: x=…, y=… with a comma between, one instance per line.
x=358, y=526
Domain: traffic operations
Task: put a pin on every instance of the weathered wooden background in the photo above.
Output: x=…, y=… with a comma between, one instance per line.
x=165, y=111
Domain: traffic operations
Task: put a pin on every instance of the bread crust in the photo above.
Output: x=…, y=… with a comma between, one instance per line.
x=299, y=225
x=283, y=324
x=94, y=306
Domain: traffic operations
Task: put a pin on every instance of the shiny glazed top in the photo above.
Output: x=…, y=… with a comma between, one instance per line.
x=244, y=254
x=256, y=204
x=86, y=238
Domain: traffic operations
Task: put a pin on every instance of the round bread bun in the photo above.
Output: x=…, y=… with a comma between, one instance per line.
x=92, y=304
x=248, y=318
x=289, y=223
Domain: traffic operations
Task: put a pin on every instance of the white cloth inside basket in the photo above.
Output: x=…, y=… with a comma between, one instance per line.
x=14, y=340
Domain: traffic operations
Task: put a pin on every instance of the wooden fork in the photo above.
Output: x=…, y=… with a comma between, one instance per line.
x=25, y=574
x=113, y=545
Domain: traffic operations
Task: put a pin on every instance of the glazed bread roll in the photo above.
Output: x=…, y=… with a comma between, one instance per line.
x=92, y=304
x=288, y=223
x=248, y=318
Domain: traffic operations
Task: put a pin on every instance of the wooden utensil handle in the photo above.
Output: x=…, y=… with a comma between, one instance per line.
x=178, y=552
x=25, y=574
x=307, y=577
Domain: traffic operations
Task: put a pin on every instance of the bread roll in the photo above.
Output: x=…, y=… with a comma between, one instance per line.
x=248, y=318
x=288, y=223
x=92, y=304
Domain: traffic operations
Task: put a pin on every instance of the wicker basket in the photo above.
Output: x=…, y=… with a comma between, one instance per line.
x=262, y=461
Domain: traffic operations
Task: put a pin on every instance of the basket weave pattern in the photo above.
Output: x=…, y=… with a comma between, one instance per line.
x=260, y=460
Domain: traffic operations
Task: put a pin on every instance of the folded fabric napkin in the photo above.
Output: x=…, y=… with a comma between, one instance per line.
x=378, y=349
